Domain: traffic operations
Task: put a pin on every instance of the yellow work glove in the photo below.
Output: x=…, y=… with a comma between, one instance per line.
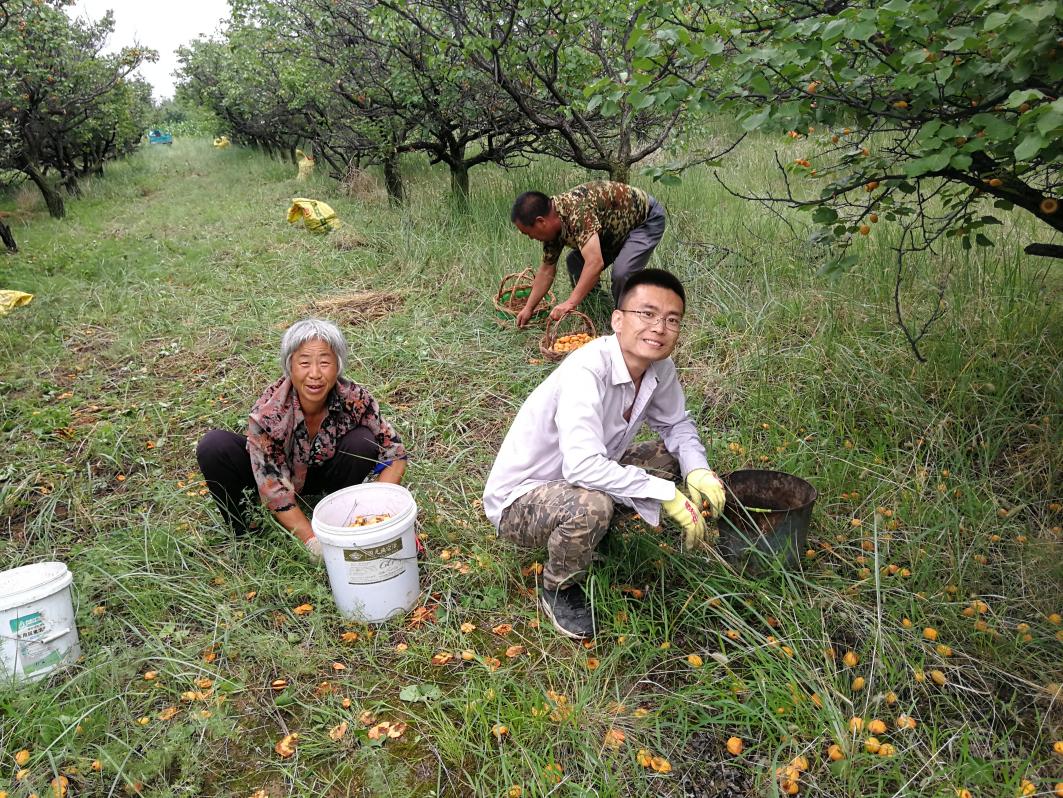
x=705, y=486
x=688, y=517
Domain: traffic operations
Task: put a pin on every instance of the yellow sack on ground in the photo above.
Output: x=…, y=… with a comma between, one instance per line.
x=9, y=300
x=221, y=142
x=306, y=165
x=316, y=215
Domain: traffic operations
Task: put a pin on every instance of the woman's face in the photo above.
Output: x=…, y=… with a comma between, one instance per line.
x=314, y=371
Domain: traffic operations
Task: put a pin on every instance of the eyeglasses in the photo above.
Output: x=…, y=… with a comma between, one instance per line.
x=650, y=319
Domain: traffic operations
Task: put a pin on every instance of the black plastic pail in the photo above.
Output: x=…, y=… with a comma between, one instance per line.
x=748, y=535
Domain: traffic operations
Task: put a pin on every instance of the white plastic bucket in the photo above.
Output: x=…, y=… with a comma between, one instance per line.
x=372, y=569
x=37, y=621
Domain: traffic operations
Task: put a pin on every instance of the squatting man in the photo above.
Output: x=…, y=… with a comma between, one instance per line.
x=568, y=458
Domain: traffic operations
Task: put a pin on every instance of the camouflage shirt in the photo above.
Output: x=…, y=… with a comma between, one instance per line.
x=612, y=210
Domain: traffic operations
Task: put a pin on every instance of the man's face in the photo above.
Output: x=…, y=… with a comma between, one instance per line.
x=640, y=339
x=544, y=228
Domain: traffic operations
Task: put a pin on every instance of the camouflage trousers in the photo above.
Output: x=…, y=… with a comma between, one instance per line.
x=571, y=521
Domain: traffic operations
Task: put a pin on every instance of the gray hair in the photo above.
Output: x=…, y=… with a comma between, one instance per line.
x=313, y=330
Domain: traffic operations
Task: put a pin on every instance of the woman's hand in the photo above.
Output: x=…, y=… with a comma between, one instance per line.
x=296, y=522
x=393, y=473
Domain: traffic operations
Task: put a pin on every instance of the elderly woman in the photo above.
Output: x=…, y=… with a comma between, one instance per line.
x=312, y=431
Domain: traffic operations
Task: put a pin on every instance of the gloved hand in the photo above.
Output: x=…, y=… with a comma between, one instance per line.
x=688, y=517
x=704, y=485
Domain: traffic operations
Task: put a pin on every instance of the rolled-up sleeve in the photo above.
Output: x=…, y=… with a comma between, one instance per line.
x=585, y=460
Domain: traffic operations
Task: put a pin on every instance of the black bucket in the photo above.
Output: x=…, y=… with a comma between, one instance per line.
x=748, y=535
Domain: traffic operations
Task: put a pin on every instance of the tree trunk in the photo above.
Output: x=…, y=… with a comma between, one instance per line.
x=393, y=179
x=620, y=172
x=459, y=183
x=7, y=237
x=70, y=183
x=52, y=198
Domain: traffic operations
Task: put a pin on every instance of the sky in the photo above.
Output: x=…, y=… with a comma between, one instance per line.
x=161, y=25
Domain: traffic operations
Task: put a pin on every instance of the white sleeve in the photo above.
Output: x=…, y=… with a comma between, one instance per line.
x=667, y=415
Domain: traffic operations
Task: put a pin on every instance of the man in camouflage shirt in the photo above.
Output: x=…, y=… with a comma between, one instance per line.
x=603, y=222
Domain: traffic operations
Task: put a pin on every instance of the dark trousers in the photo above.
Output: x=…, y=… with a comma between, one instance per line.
x=226, y=467
x=633, y=254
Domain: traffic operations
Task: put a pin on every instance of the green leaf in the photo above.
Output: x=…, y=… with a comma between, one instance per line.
x=863, y=30
x=824, y=215
x=1018, y=97
x=995, y=20
x=930, y=163
x=1029, y=147
x=753, y=122
x=420, y=692
x=640, y=101
x=836, y=266
x=1050, y=119
x=1038, y=13
x=284, y=698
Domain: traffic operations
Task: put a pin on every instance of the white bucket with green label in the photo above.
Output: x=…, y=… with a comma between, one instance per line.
x=36, y=621
x=372, y=569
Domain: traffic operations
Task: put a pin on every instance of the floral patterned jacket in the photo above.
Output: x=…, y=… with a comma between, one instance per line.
x=280, y=446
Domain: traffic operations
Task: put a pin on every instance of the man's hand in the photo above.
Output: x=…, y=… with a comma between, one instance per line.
x=688, y=517
x=561, y=308
x=705, y=486
x=524, y=316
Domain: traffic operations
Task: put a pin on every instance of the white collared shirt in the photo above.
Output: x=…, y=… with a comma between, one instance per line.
x=572, y=428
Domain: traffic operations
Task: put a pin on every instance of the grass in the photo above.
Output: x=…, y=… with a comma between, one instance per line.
x=158, y=311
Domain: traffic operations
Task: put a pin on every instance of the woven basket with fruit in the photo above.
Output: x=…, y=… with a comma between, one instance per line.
x=568, y=333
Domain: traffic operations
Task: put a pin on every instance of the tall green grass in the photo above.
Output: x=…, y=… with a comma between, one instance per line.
x=159, y=305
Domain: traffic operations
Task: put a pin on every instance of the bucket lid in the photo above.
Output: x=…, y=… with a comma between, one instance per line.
x=30, y=582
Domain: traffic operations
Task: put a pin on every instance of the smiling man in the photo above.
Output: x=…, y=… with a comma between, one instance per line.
x=604, y=222
x=568, y=458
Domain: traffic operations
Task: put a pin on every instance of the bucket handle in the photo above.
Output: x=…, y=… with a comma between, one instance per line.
x=54, y=635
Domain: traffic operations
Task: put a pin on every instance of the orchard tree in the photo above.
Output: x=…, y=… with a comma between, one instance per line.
x=940, y=115
x=585, y=71
x=55, y=90
x=242, y=82
x=448, y=109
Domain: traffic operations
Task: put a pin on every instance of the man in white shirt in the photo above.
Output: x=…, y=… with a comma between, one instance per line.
x=568, y=459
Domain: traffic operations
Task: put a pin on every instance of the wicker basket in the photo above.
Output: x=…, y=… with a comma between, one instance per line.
x=512, y=294
x=554, y=332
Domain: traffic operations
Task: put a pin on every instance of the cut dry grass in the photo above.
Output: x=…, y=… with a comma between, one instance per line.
x=356, y=307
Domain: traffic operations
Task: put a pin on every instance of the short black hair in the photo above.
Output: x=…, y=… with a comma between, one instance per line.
x=529, y=206
x=657, y=277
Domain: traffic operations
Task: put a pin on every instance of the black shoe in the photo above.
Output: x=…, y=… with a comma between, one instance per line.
x=568, y=611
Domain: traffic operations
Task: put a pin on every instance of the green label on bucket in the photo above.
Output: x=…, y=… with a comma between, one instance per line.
x=50, y=660
x=374, y=552
x=26, y=625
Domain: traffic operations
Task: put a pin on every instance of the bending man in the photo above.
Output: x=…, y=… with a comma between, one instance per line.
x=603, y=222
